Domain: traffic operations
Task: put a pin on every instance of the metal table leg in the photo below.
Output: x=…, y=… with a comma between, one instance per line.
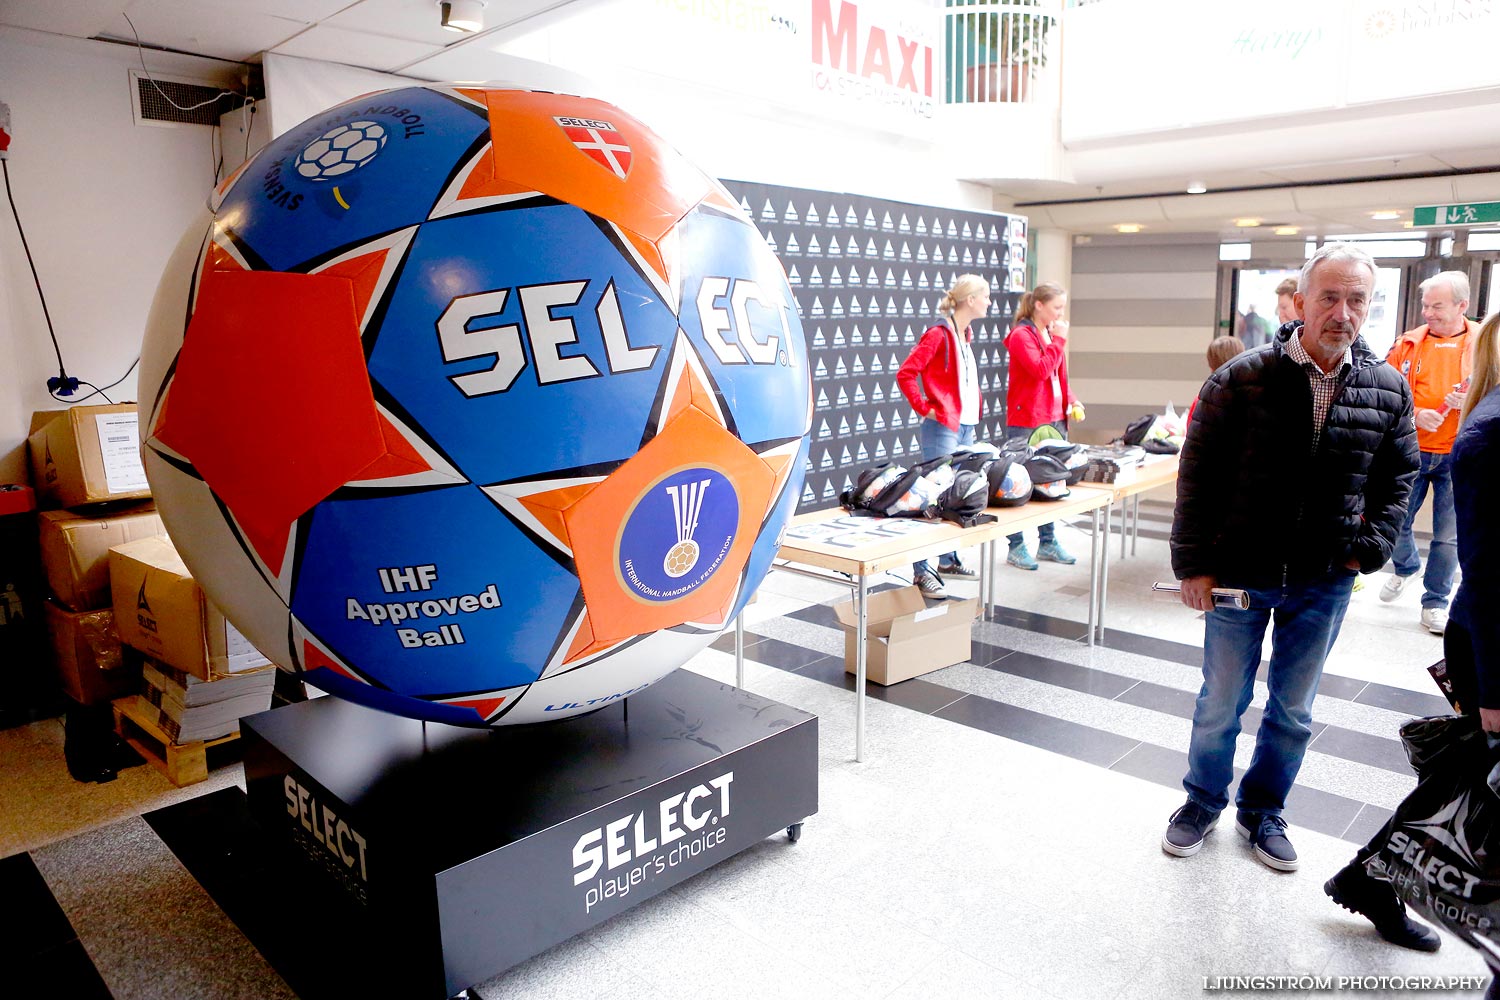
x=986, y=577
x=739, y=650
x=1093, y=572
x=1135, y=530
x=861, y=631
x=1104, y=572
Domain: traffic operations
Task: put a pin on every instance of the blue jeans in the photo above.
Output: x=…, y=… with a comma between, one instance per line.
x=1307, y=619
x=1044, y=532
x=937, y=440
x=1442, y=555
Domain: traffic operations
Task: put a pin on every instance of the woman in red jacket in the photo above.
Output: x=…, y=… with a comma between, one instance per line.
x=947, y=397
x=1038, y=394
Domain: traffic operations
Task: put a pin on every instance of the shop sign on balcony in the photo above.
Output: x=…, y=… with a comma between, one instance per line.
x=878, y=55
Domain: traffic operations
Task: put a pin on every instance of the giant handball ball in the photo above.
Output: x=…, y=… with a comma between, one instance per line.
x=475, y=405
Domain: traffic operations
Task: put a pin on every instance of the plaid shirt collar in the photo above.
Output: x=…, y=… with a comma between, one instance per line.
x=1324, y=384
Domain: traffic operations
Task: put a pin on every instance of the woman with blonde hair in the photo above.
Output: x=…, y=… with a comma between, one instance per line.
x=1471, y=642
x=1038, y=394
x=941, y=382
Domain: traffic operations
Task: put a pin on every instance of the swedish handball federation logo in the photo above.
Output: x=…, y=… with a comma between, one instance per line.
x=677, y=534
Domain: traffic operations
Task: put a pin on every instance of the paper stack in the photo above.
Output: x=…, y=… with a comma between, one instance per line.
x=190, y=708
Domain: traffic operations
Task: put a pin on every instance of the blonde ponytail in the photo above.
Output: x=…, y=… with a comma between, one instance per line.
x=1485, y=374
x=963, y=286
x=1045, y=292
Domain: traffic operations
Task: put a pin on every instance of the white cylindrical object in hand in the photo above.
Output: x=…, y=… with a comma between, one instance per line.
x=1224, y=597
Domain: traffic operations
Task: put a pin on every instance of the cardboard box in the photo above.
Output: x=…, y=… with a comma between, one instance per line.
x=75, y=550
x=904, y=637
x=86, y=649
x=89, y=454
x=160, y=611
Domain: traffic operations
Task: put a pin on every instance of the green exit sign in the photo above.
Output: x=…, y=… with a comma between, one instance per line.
x=1474, y=214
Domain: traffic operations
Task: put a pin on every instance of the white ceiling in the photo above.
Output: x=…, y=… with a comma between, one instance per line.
x=394, y=36
x=403, y=36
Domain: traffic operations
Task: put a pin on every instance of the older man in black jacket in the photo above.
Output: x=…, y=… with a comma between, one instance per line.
x=1294, y=478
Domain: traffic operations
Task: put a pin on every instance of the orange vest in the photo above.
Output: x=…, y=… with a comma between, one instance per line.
x=1433, y=366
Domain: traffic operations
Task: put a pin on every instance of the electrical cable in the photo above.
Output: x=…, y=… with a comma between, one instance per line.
x=62, y=372
x=100, y=392
x=141, y=52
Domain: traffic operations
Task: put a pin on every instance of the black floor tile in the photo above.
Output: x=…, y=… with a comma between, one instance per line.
x=1089, y=680
x=27, y=896
x=1306, y=807
x=1318, y=810
x=1384, y=752
x=915, y=694
x=725, y=643
x=1035, y=729
x=1413, y=703
x=222, y=847
x=1338, y=686
x=1145, y=645
x=1160, y=698
x=1062, y=628
x=1155, y=764
x=63, y=970
x=785, y=655
x=1367, y=823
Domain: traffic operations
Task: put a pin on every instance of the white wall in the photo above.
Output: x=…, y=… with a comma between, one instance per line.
x=103, y=202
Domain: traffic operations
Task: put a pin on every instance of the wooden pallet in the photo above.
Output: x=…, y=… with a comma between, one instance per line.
x=182, y=763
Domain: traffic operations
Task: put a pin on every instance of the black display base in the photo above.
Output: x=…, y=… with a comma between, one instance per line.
x=460, y=853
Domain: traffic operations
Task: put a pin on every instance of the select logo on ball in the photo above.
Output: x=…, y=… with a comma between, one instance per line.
x=677, y=534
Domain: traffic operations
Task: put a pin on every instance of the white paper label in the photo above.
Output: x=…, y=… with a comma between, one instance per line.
x=120, y=445
x=239, y=653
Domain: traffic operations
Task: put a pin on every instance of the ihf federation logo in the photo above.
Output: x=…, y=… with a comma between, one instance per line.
x=341, y=150
x=677, y=535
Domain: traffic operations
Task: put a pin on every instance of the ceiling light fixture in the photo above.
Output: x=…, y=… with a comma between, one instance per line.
x=1247, y=223
x=1287, y=230
x=1129, y=227
x=1197, y=187
x=1385, y=214
x=466, y=16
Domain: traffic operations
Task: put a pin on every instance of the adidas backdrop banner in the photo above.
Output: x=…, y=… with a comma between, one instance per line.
x=867, y=275
x=475, y=405
x=1441, y=848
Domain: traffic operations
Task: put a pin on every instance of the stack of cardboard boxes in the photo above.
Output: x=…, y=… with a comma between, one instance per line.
x=86, y=462
x=114, y=575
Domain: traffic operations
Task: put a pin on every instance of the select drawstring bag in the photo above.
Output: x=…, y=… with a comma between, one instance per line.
x=1441, y=848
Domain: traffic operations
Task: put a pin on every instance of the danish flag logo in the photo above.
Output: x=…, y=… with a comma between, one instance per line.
x=600, y=141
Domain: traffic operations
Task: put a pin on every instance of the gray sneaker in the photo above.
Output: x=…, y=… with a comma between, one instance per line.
x=930, y=586
x=1187, y=829
x=1393, y=588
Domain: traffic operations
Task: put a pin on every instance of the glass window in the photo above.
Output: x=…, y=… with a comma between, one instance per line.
x=1255, y=319
x=1381, y=329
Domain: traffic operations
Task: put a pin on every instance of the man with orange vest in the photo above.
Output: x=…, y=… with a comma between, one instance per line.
x=1434, y=359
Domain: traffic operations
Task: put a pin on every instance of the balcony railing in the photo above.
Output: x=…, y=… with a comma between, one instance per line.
x=1000, y=51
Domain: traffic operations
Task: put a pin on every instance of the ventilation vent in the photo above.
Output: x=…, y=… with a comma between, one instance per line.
x=153, y=100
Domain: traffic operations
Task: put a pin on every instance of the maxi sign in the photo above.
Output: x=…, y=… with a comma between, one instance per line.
x=863, y=53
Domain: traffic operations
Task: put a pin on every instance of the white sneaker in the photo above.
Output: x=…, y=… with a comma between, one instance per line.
x=1435, y=620
x=1393, y=587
